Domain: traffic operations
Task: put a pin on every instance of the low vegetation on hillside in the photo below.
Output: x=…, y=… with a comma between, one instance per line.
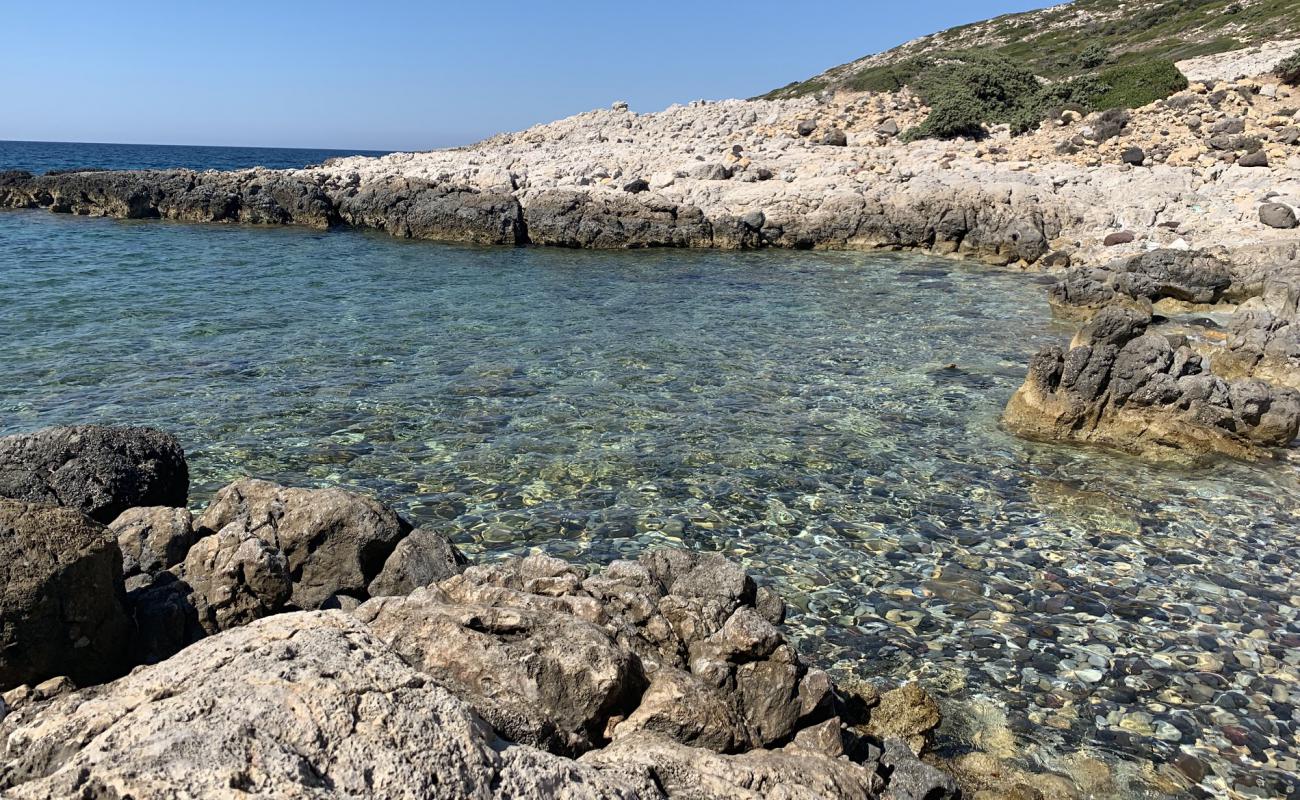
x=1090, y=54
x=1289, y=70
x=968, y=91
x=1057, y=43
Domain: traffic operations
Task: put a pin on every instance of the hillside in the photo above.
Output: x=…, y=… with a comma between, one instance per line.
x=1060, y=41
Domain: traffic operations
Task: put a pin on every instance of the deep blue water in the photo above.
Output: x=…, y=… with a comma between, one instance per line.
x=831, y=419
x=41, y=157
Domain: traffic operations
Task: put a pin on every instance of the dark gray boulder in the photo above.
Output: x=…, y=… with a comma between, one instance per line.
x=61, y=597
x=1277, y=215
x=912, y=779
x=1134, y=156
x=1256, y=159
x=835, y=138
x=415, y=209
x=423, y=557
x=98, y=470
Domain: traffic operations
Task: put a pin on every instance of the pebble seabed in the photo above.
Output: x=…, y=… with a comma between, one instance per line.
x=830, y=419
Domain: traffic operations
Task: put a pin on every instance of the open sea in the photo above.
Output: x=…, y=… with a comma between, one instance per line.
x=42, y=157
x=830, y=419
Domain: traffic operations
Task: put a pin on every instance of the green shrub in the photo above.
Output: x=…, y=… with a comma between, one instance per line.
x=1094, y=55
x=887, y=77
x=968, y=91
x=1136, y=85
x=1289, y=70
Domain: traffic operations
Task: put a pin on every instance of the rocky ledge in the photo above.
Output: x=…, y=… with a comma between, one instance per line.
x=312, y=643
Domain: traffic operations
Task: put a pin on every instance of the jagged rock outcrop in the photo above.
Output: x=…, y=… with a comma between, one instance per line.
x=254, y=197
x=98, y=470
x=1264, y=338
x=414, y=209
x=152, y=539
x=1186, y=276
x=1123, y=387
x=297, y=706
x=331, y=541
x=422, y=696
x=61, y=596
x=567, y=218
x=555, y=657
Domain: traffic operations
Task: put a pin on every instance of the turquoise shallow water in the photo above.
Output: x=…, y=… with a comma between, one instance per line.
x=831, y=419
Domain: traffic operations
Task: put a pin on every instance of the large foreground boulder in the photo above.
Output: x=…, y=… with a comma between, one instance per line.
x=98, y=470
x=307, y=705
x=668, y=675
x=60, y=597
x=672, y=644
x=1126, y=388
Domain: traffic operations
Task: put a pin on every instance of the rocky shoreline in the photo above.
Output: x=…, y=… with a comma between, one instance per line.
x=1183, y=210
x=312, y=643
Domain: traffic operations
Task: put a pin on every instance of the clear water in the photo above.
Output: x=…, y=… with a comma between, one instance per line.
x=831, y=419
x=41, y=157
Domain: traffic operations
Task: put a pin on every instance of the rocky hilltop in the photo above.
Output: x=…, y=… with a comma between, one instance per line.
x=1060, y=40
x=311, y=643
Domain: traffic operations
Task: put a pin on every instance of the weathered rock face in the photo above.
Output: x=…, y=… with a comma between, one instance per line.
x=1123, y=387
x=1186, y=276
x=302, y=705
x=391, y=700
x=692, y=773
x=580, y=219
x=152, y=539
x=97, y=470
x=237, y=576
x=60, y=596
x=423, y=557
x=332, y=541
x=423, y=210
x=257, y=197
x=1264, y=338
x=541, y=678
x=672, y=644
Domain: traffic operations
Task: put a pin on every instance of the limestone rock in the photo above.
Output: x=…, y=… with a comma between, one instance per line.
x=333, y=541
x=1124, y=388
x=691, y=773
x=237, y=576
x=423, y=557
x=152, y=538
x=60, y=597
x=907, y=713
x=297, y=706
x=550, y=680
x=98, y=470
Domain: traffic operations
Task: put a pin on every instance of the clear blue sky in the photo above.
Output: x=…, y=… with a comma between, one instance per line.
x=401, y=74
